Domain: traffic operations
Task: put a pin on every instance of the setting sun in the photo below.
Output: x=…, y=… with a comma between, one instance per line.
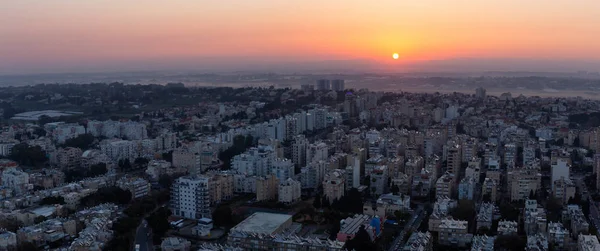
x=395, y=56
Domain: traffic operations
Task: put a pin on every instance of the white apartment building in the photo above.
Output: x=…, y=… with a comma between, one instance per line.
x=379, y=180
x=587, y=243
x=311, y=176
x=137, y=186
x=507, y=227
x=119, y=149
x=334, y=184
x=560, y=169
x=289, y=191
x=17, y=180
x=256, y=161
x=316, y=152
x=244, y=184
x=558, y=235
x=299, y=147
x=8, y=240
x=92, y=157
x=454, y=233
x=444, y=186
x=466, y=188
x=283, y=169
x=190, y=197
x=61, y=132
x=6, y=147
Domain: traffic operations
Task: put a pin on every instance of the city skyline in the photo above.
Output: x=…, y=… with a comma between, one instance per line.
x=92, y=36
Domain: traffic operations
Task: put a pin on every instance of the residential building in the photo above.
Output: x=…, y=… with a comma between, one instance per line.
x=188, y=160
x=558, y=236
x=507, y=227
x=574, y=215
x=422, y=184
x=283, y=169
x=490, y=188
x=419, y=241
x=523, y=182
x=8, y=240
x=299, y=147
x=466, y=188
x=350, y=226
x=68, y=158
x=485, y=216
x=587, y=243
x=267, y=188
x=337, y=85
x=560, y=169
x=175, y=244
x=221, y=187
x=311, y=176
x=61, y=132
x=453, y=159
x=379, y=180
x=137, y=186
x=386, y=205
x=454, y=233
x=483, y=243
x=117, y=149
x=537, y=242
x=334, y=184
x=444, y=187
x=535, y=220
x=289, y=191
x=190, y=197
x=563, y=190
x=17, y=180
x=317, y=151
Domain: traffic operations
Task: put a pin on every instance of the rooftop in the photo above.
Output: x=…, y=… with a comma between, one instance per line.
x=262, y=223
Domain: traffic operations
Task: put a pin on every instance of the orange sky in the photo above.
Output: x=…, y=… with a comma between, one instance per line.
x=38, y=35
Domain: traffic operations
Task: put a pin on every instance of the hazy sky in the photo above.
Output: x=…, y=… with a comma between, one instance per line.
x=83, y=35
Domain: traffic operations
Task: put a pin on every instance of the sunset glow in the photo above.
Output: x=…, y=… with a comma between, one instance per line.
x=70, y=34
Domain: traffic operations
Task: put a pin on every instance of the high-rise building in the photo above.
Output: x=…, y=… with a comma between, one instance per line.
x=480, y=93
x=299, y=147
x=190, y=197
x=560, y=169
x=323, y=84
x=338, y=85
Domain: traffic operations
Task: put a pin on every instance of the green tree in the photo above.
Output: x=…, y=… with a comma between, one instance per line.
x=159, y=223
x=395, y=189
x=27, y=155
x=464, y=211
x=53, y=200
x=97, y=170
x=223, y=216
x=317, y=201
x=39, y=219
x=83, y=141
x=510, y=242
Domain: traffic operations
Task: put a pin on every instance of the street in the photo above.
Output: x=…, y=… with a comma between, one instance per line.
x=411, y=225
x=143, y=237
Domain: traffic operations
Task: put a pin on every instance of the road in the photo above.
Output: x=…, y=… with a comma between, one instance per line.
x=143, y=237
x=412, y=225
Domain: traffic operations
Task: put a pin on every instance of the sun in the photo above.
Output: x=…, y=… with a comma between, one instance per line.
x=395, y=56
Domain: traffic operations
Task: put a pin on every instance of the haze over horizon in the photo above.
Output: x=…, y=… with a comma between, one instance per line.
x=429, y=35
